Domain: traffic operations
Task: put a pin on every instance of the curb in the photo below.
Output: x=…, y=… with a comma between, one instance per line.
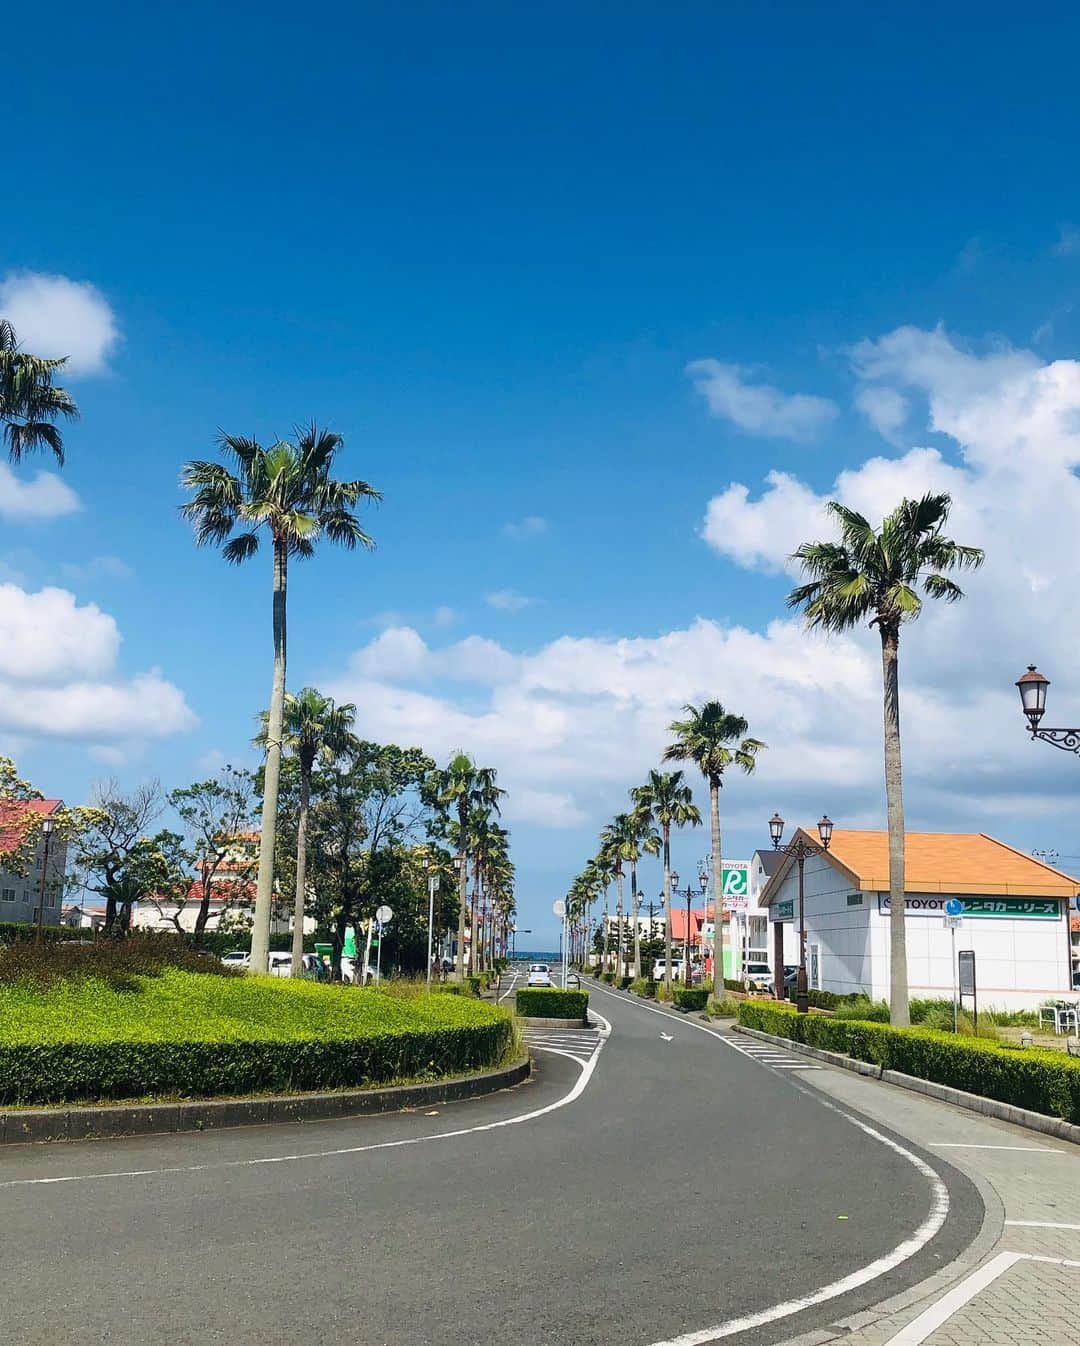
x=986, y=1107
x=138, y=1119
x=531, y=1021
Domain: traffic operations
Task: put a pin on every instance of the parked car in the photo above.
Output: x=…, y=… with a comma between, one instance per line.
x=279, y=964
x=236, y=958
x=757, y=977
x=314, y=967
x=678, y=969
x=539, y=975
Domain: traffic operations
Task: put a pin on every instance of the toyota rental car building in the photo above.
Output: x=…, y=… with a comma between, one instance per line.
x=1016, y=916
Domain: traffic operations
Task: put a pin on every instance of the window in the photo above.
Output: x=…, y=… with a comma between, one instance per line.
x=854, y=899
x=50, y=897
x=7, y=894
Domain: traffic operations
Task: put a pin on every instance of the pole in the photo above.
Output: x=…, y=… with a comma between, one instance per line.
x=801, y=994
x=378, y=956
x=367, y=953
x=689, y=900
x=565, y=948
x=41, y=896
x=952, y=934
x=430, y=925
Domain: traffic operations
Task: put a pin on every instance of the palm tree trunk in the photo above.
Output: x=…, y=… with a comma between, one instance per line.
x=301, y=874
x=474, y=940
x=667, y=909
x=619, y=917
x=718, y=896
x=634, y=919
x=899, y=1014
x=607, y=933
x=463, y=888
x=264, y=892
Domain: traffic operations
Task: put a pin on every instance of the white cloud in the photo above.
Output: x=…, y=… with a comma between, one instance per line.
x=507, y=600
x=444, y=616
x=55, y=316
x=97, y=567
x=759, y=408
x=531, y=526
x=44, y=496
x=58, y=675
x=884, y=408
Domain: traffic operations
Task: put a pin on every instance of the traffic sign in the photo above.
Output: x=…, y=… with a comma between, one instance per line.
x=384, y=915
x=953, y=922
x=559, y=907
x=954, y=907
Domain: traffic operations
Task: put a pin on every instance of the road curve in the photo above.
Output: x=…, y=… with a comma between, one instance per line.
x=685, y=1186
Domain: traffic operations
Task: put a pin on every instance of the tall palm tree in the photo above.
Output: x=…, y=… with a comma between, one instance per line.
x=714, y=739
x=645, y=840
x=603, y=872
x=669, y=802
x=619, y=843
x=876, y=574
x=30, y=403
x=312, y=729
x=288, y=490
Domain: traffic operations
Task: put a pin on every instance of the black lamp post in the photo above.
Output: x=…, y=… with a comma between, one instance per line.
x=799, y=847
x=47, y=825
x=1032, y=688
x=703, y=880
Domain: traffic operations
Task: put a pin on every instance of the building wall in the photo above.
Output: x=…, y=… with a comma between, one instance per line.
x=20, y=893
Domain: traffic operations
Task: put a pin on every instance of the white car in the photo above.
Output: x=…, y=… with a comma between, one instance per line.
x=678, y=969
x=237, y=958
x=539, y=975
x=279, y=964
x=757, y=977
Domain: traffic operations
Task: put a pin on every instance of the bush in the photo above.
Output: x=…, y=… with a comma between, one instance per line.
x=113, y=961
x=863, y=1009
x=609, y=977
x=723, y=1009
x=1042, y=1081
x=473, y=983
x=180, y=1034
x=644, y=986
x=625, y=983
x=549, y=1003
x=690, y=997
x=732, y=984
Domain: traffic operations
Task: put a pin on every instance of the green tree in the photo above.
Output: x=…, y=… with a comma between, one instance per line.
x=216, y=813
x=286, y=489
x=876, y=575
x=669, y=802
x=313, y=729
x=30, y=402
x=714, y=739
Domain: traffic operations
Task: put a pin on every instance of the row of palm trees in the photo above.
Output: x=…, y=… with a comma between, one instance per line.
x=712, y=739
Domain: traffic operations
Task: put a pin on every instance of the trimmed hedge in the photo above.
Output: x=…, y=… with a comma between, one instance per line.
x=190, y=1035
x=1042, y=1081
x=689, y=997
x=644, y=986
x=548, y=1002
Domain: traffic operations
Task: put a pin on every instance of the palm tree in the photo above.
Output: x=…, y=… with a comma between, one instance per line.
x=602, y=872
x=30, y=403
x=313, y=729
x=619, y=843
x=669, y=802
x=288, y=490
x=645, y=840
x=714, y=739
x=877, y=574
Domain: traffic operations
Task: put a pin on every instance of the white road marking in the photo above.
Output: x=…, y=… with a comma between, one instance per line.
x=963, y=1145
x=513, y=982
x=917, y=1331
x=668, y=1037
x=580, y=1085
x=1040, y=1224
x=930, y=1227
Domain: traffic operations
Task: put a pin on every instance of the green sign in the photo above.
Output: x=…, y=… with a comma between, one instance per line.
x=1014, y=908
x=736, y=879
x=782, y=911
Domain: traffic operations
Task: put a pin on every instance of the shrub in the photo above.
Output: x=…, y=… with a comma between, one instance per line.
x=690, y=997
x=449, y=988
x=863, y=1009
x=1011, y=1018
x=732, y=984
x=473, y=983
x=113, y=961
x=625, y=983
x=545, y=1002
x=723, y=1009
x=179, y=1034
x=1042, y=1081
x=644, y=986
x=609, y=977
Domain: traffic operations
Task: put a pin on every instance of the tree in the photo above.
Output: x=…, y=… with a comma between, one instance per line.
x=644, y=840
x=30, y=402
x=313, y=728
x=714, y=739
x=288, y=490
x=876, y=574
x=216, y=814
x=669, y=802
x=619, y=843
x=116, y=858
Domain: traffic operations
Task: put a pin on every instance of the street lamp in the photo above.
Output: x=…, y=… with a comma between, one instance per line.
x=1032, y=688
x=688, y=893
x=47, y=825
x=798, y=848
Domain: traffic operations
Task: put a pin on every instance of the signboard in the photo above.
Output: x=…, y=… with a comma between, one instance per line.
x=1016, y=908
x=966, y=963
x=736, y=885
x=954, y=907
x=953, y=922
x=782, y=911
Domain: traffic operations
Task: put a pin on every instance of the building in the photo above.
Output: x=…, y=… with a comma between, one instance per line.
x=81, y=916
x=21, y=884
x=1015, y=916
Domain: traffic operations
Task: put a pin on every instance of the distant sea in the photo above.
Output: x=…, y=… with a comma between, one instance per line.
x=536, y=956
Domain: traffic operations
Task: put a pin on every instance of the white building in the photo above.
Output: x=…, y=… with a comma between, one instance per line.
x=1015, y=917
x=21, y=886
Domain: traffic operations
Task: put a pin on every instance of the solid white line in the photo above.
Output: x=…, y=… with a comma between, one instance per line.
x=513, y=981
x=587, y=1068
x=1039, y=1224
x=939, y=1210
x=963, y=1145
x=931, y=1319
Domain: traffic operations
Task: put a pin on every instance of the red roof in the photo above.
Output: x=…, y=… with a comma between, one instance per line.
x=14, y=815
x=243, y=892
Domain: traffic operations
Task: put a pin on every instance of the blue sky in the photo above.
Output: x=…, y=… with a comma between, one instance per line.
x=486, y=246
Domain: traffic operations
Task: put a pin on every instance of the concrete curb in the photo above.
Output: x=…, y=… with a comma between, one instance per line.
x=212, y=1114
x=531, y=1021
x=986, y=1107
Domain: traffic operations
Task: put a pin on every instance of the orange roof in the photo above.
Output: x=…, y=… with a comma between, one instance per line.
x=14, y=817
x=938, y=862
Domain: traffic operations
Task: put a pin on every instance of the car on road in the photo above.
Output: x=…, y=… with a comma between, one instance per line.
x=757, y=977
x=236, y=958
x=279, y=964
x=678, y=969
x=539, y=975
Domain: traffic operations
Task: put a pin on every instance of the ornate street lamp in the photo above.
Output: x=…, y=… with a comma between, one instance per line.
x=47, y=825
x=1032, y=688
x=798, y=848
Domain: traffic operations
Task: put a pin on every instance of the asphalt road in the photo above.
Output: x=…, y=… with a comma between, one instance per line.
x=687, y=1185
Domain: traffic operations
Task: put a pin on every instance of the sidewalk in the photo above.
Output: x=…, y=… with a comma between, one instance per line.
x=1019, y=1285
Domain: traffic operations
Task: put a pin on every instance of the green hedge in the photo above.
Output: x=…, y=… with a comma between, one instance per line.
x=690, y=997
x=544, y=1002
x=190, y=1035
x=644, y=986
x=625, y=983
x=1043, y=1081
